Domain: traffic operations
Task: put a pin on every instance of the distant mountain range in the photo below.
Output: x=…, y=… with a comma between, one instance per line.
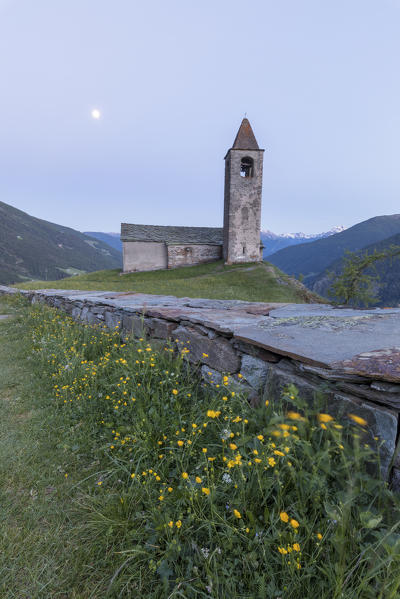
x=274, y=242
x=31, y=248
x=316, y=259
x=310, y=259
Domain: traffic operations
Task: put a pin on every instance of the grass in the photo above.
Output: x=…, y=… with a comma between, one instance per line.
x=123, y=476
x=249, y=282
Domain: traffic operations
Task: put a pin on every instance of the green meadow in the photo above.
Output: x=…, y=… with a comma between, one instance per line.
x=249, y=282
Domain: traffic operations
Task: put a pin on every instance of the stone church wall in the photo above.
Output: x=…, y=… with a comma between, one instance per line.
x=190, y=255
x=144, y=255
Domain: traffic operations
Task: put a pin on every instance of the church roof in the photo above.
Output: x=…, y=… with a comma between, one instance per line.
x=245, y=138
x=172, y=235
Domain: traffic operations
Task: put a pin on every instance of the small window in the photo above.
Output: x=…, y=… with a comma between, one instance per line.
x=246, y=167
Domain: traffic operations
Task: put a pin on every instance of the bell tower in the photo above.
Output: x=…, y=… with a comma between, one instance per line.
x=242, y=198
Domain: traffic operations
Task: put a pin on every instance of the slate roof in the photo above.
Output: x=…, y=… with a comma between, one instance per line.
x=245, y=138
x=172, y=235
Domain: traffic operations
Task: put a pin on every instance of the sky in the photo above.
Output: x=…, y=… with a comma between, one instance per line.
x=319, y=81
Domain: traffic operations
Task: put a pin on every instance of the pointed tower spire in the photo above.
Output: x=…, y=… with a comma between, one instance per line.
x=242, y=198
x=245, y=138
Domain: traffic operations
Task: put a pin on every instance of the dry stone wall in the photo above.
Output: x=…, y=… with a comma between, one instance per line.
x=190, y=255
x=348, y=357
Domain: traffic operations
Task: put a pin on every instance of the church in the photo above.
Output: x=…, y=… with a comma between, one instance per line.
x=152, y=247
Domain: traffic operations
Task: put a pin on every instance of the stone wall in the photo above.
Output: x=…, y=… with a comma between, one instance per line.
x=190, y=255
x=234, y=338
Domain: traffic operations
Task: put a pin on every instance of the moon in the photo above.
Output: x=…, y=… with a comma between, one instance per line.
x=96, y=114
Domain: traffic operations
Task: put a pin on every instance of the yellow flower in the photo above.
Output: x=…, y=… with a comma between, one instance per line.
x=284, y=517
x=319, y=536
x=206, y=490
x=324, y=418
x=294, y=416
x=198, y=479
x=161, y=498
x=233, y=446
x=185, y=475
x=170, y=524
x=224, y=398
x=178, y=523
x=271, y=462
x=358, y=419
x=260, y=437
x=296, y=547
x=133, y=475
x=204, y=450
x=267, y=403
x=257, y=460
x=205, y=355
x=170, y=489
x=174, y=391
x=231, y=464
x=213, y=414
x=294, y=523
x=323, y=426
x=284, y=427
x=194, y=425
x=282, y=550
x=277, y=452
x=180, y=443
x=237, y=513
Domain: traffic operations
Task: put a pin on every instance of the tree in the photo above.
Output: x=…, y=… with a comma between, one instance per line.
x=353, y=286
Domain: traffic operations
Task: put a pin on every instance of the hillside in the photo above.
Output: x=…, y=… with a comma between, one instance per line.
x=388, y=271
x=250, y=282
x=310, y=259
x=31, y=248
x=111, y=239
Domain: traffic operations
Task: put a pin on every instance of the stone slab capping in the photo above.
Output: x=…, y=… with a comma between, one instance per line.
x=351, y=357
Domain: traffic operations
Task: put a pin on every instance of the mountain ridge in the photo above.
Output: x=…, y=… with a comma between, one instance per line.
x=387, y=285
x=313, y=257
x=33, y=248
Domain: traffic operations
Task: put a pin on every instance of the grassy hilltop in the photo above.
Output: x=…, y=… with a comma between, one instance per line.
x=249, y=282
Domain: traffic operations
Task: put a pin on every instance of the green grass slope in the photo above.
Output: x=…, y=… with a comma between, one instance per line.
x=310, y=259
x=388, y=272
x=249, y=282
x=31, y=248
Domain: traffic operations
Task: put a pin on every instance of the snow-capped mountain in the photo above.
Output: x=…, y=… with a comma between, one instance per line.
x=274, y=242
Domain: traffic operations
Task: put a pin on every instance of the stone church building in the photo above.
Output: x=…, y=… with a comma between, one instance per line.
x=151, y=247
